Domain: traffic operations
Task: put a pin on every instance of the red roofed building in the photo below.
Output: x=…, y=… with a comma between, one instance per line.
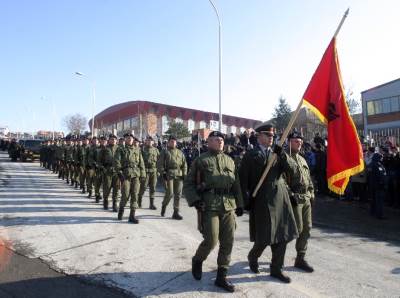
x=150, y=118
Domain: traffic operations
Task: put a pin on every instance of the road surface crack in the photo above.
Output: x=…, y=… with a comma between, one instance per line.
x=76, y=246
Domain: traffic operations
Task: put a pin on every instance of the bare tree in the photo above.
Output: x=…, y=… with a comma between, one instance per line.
x=353, y=104
x=76, y=124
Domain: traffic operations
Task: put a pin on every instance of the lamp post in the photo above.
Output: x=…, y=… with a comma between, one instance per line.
x=220, y=63
x=93, y=100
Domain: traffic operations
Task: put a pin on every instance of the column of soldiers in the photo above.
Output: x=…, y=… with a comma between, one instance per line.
x=219, y=188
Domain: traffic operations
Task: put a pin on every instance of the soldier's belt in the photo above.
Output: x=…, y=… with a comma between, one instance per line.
x=220, y=191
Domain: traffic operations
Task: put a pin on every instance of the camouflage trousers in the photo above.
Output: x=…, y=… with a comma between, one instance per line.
x=130, y=187
x=217, y=226
x=303, y=216
x=93, y=179
x=110, y=181
x=173, y=187
x=151, y=182
x=82, y=176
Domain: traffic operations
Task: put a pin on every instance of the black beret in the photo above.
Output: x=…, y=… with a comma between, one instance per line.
x=216, y=133
x=295, y=135
x=150, y=138
x=121, y=139
x=102, y=138
x=128, y=134
x=172, y=137
x=112, y=136
x=94, y=138
x=265, y=127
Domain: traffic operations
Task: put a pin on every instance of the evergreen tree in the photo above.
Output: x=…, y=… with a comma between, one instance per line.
x=177, y=129
x=282, y=114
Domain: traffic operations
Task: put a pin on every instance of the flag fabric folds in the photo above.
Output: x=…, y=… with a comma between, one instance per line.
x=325, y=97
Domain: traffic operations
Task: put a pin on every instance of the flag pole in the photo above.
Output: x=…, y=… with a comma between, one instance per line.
x=290, y=124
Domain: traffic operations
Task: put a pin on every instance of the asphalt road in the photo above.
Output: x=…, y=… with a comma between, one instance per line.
x=65, y=243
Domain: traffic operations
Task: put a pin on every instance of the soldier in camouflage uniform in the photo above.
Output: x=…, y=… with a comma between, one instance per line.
x=82, y=162
x=301, y=192
x=173, y=168
x=91, y=165
x=52, y=152
x=100, y=170
x=213, y=188
x=76, y=166
x=150, y=156
x=59, y=158
x=107, y=158
x=68, y=158
x=130, y=170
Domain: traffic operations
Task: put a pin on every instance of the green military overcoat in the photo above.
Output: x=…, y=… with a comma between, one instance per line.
x=271, y=214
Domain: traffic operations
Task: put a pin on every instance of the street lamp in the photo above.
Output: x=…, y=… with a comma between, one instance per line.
x=220, y=64
x=93, y=101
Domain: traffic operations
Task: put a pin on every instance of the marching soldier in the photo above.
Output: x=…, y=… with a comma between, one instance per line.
x=91, y=165
x=82, y=162
x=301, y=192
x=173, y=168
x=131, y=169
x=52, y=157
x=75, y=163
x=98, y=182
x=59, y=158
x=213, y=188
x=271, y=217
x=150, y=156
x=108, y=157
x=68, y=159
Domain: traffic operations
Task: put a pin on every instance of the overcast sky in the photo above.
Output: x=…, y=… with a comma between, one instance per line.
x=166, y=51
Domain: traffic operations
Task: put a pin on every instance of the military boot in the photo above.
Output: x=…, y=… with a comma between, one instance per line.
x=67, y=181
x=83, y=189
x=139, y=203
x=152, y=207
x=277, y=273
x=132, y=217
x=176, y=215
x=302, y=264
x=76, y=184
x=114, y=206
x=163, y=208
x=105, y=204
x=89, y=194
x=120, y=213
x=197, y=269
x=222, y=282
x=98, y=198
x=253, y=264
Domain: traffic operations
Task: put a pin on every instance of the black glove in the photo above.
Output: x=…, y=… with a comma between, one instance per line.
x=294, y=199
x=199, y=205
x=239, y=211
x=247, y=207
x=278, y=150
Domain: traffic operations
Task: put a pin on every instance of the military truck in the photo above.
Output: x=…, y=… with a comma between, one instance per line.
x=30, y=149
